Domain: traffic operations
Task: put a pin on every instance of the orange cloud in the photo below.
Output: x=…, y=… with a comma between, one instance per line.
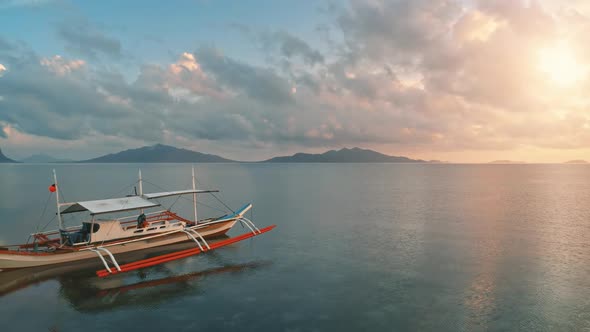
x=477, y=26
x=60, y=66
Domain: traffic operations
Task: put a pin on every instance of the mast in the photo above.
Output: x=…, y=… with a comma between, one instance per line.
x=60, y=221
x=195, y=196
x=140, y=187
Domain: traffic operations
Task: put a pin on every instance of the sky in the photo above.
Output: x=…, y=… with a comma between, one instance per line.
x=453, y=80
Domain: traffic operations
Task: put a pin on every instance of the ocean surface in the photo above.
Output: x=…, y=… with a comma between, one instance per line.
x=358, y=247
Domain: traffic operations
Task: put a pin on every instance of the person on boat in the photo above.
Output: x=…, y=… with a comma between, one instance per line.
x=141, y=221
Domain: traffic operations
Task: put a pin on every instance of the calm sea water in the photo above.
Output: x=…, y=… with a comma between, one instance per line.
x=370, y=247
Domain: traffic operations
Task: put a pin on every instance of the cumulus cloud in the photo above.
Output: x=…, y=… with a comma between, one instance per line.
x=477, y=67
x=83, y=38
x=61, y=66
x=417, y=76
x=255, y=82
x=188, y=62
x=290, y=46
x=400, y=31
x=476, y=26
x=183, y=79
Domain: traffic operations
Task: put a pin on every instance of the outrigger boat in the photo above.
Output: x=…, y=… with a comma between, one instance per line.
x=103, y=238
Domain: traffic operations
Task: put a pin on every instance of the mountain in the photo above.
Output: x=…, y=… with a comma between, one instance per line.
x=43, y=158
x=4, y=159
x=354, y=155
x=576, y=162
x=158, y=154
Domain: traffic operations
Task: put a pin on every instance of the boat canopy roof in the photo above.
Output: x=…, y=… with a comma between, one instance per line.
x=125, y=203
x=176, y=193
x=110, y=205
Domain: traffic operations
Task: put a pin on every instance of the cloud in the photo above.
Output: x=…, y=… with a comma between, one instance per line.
x=207, y=95
x=44, y=98
x=84, y=39
x=396, y=30
x=4, y=129
x=61, y=66
x=256, y=82
x=476, y=26
x=2, y=69
x=183, y=79
x=4, y=44
x=187, y=62
x=290, y=46
x=36, y=100
x=412, y=76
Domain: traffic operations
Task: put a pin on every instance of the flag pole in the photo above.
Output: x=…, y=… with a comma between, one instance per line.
x=195, y=196
x=140, y=187
x=60, y=221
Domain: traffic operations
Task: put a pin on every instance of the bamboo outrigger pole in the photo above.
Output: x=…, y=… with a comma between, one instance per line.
x=179, y=254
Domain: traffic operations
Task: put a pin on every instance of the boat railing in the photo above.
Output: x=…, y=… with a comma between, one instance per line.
x=154, y=216
x=158, y=225
x=133, y=218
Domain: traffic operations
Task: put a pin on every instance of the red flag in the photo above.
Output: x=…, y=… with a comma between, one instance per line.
x=52, y=188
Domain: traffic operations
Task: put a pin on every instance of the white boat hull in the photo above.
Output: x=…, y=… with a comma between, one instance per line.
x=10, y=260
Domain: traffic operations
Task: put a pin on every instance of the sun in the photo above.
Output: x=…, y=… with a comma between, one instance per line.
x=559, y=63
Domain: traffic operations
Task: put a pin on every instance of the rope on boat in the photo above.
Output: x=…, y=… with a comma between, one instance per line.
x=190, y=200
x=127, y=187
x=220, y=201
x=63, y=198
x=212, y=194
x=41, y=218
x=47, y=224
x=173, y=203
x=43, y=213
x=211, y=207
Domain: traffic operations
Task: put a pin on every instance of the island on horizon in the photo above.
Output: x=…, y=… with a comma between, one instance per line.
x=160, y=153
x=344, y=155
x=503, y=161
x=4, y=159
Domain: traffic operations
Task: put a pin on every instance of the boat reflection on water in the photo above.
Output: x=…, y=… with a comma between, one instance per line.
x=80, y=286
x=102, y=296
